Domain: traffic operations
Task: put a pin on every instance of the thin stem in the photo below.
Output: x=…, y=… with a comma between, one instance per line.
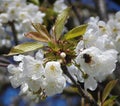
x=4, y=60
x=3, y=65
x=14, y=32
x=81, y=91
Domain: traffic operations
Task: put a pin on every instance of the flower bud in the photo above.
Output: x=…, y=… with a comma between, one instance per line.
x=63, y=54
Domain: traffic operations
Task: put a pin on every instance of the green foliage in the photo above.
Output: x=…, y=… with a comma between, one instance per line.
x=36, y=36
x=60, y=22
x=108, y=89
x=105, y=100
x=55, y=44
x=75, y=32
x=25, y=47
x=110, y=101
x=61, y=46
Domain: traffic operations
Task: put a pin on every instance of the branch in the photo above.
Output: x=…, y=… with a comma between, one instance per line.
x=3, y=65
x=75, y=11
x=101, y=9
x=81, y=91
x=4, y=62
x=14, y=32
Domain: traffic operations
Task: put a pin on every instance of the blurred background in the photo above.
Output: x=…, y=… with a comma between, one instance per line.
x=12, y=33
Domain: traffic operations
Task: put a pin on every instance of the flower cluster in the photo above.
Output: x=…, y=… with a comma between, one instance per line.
x=35, y=78
x=4, y=42
x=87, y=61
x=21, y=14
x=97, y=51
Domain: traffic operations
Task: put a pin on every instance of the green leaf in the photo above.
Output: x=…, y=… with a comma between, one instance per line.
x=53, y=46
x=75, y=32
x=110, y=101
x=108, y=89
x=25, y=47
x=36, y=36
x=60, y=22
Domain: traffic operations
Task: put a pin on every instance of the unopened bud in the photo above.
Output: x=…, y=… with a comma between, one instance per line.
x=63, y=54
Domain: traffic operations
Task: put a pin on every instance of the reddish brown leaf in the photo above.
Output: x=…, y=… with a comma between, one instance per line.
x=37, y=36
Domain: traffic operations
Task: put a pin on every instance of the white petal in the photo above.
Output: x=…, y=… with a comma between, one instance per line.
x=18, y=58
x=13, y=69
x=34, y=85
x=32, y=67
x=90, y=83
x=39, y=55
x=24, y=88
x=17, y=80
x=55, y=85
x=53, y=68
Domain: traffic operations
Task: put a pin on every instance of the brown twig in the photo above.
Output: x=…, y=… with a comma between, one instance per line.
x=81, y=91
x=4, y=60
x=75, y=11
x=101, y=9
x=14, y=32
x=3, y=65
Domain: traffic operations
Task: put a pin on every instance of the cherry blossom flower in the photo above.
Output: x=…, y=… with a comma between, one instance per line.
x=96, y=64
x=55, y=81
x=59, y=6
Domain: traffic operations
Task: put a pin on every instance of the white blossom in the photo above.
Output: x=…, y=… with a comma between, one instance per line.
x=32, y=68
x=53, y=68
x=29, y=73
x=90, y=83
x=55, y=81
x=37, y=18
x=17, y=77
x=39, y=55
x=114, y=28
x=4, y=18
x=21, y=13
x=54, y=85
x=59, y=6
x=97, y=64
x=75, y=73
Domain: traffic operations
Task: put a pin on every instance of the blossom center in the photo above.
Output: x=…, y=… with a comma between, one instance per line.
x=52, y=67
x=87, y=58
x=37, y=66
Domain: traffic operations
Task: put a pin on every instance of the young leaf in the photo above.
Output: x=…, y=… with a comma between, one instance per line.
x=75, y=32
x=108, y=89
x=25, y=47
x=110, y=101
x=36, y=36
x=60, y=22
x=41, y=30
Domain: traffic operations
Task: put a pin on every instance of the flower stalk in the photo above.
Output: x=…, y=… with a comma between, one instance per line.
x=81, y=91
x=14, y=32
